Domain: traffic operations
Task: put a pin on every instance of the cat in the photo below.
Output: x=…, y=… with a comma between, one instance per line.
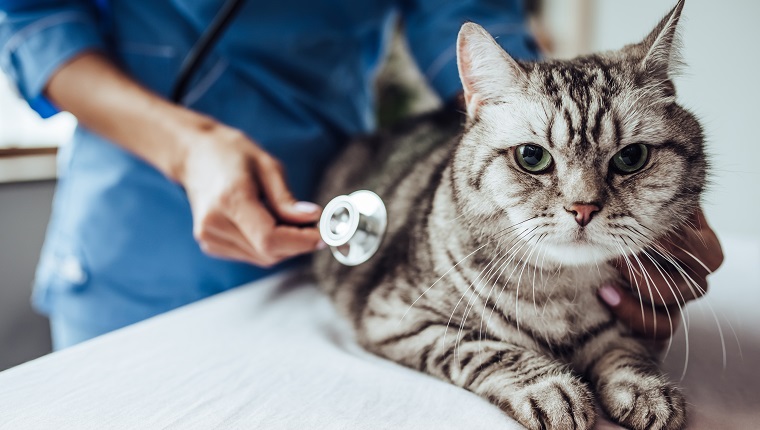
x=503, y=221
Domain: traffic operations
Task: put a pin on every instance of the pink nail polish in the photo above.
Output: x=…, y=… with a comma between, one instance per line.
x=305, y=207
x=610, y=295
x=321, y=245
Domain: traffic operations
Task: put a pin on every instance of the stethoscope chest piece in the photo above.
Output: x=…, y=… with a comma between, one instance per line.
x=353, y=226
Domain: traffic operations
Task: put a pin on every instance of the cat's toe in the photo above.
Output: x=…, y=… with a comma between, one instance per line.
x=557, y=402
x=647, y=404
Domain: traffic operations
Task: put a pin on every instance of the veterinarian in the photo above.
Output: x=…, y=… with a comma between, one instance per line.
x=162, y=204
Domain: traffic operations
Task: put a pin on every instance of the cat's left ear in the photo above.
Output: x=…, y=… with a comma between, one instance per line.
x=662, y=58
x=487, y=72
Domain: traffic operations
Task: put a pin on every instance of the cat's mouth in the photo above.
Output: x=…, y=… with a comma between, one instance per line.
x=581, y=236
x=579, y=246
x=579, y=251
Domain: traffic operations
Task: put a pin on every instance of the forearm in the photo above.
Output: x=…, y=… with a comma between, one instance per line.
x=110, y=103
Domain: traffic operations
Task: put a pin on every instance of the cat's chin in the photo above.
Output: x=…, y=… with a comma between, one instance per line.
x=578, y=254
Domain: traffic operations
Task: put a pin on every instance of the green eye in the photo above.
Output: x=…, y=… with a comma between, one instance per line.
x=533, y=158
x=631, y=158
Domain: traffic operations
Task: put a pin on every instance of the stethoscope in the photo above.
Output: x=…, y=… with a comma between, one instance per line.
x=352, y=226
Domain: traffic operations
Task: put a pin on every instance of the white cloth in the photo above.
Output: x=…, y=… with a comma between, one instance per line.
x=274, y=355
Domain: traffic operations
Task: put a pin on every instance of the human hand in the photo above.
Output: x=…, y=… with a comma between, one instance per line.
x=651, y=301
x=242, y=208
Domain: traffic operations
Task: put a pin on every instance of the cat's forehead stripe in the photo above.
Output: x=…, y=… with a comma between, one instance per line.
x=581, y=92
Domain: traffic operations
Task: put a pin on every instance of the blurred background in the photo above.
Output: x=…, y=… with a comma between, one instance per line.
x=718, y=85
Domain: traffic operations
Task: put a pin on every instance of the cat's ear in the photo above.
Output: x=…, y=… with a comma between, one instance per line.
x=662, y=59
x=486, y=70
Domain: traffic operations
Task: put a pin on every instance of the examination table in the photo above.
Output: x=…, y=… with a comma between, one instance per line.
x=274, y=355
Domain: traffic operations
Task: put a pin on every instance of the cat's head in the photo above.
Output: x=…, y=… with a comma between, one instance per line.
x=589, y=158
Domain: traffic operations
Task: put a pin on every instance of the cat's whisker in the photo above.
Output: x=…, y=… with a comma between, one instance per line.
x=438, y=280
x=508, y=256
x=515, y=240
x=653, y=246
x=549, y=294
x=666, y=256
x=510, y=228
x=535, y=269
x=470, y=306
x=699, y=235
x=509, y=278
x=598, y=269
x=540, y=268
x=504, y=266
x=670, y=282
x=471, y=301
x=643, y=244
x=654, y=233
x=501, y=255
x=694, y=257
x=519, y=281
x=503, y=233
x=647, y=280
x=631, y=271
x=464, y=293
x=501, y=269
x=455, y=218
x=543, y=260
x=693, y=285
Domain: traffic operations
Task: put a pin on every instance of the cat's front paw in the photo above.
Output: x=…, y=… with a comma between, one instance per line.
x=557, y=402
x=648, y=403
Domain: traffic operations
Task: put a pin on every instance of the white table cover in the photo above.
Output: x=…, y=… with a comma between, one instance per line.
x=274, y=355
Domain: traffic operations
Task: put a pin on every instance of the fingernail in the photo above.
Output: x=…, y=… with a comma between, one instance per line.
x=321, y=245
x=305, y=207
x=610, y=295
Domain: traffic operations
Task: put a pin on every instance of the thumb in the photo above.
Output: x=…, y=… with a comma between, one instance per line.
x=281, y=201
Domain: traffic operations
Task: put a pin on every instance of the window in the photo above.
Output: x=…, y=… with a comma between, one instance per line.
x=28, y=143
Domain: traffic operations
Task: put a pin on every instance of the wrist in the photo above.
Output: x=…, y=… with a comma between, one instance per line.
x=195, y=137
x=189, y=132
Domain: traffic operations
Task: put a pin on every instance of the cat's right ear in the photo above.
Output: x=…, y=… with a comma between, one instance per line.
x=486, y=70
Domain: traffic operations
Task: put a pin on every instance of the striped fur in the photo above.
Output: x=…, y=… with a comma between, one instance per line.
x=483, y=278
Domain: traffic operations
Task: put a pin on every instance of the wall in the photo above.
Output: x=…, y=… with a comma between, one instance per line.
x=24, y=212
x=719, y=85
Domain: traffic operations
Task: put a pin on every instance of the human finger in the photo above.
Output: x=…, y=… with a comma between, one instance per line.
x=696, y=244
x=271, y=241
x=219, y=247
x=645, y=320
x=227, y=230
x=271, y=178
x=290, y=241
x=663, y=281
x=675, y=268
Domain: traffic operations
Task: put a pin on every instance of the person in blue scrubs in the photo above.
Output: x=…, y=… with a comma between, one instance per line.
x=161, y=204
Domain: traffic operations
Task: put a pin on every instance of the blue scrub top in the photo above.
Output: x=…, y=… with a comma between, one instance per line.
x=295, y=75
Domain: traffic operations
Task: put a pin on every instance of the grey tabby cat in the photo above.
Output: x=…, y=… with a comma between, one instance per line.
x=501, y=230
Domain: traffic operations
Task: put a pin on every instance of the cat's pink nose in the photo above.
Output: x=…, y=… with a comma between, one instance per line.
x=583, y=212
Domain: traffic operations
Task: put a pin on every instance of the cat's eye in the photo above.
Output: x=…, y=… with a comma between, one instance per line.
x=533, y=158
x=631, y=158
